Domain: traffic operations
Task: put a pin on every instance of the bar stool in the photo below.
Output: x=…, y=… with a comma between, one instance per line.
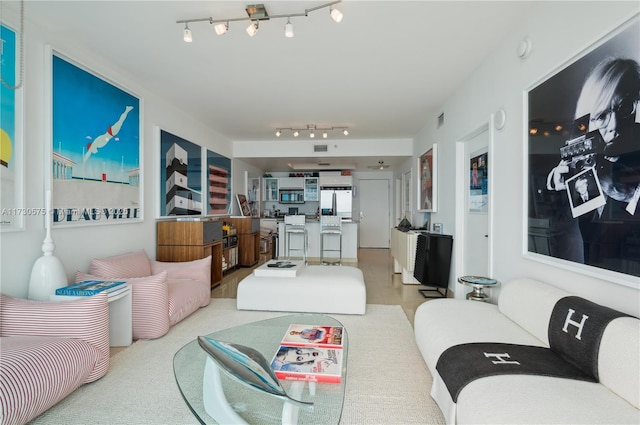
x=295, y=225
x=330, y=225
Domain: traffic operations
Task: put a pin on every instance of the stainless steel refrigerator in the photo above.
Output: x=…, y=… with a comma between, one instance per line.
x=336, y=201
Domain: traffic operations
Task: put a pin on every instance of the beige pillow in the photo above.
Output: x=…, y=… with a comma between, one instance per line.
x=131, y=264
x=199, y=270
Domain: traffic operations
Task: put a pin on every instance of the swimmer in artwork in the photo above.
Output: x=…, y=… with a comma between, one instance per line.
x=102, y=140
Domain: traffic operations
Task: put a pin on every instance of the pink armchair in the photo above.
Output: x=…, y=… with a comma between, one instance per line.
x=163, y=293
x=48, y=350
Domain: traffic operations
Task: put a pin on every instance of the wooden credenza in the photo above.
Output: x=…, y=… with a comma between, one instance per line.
x=191, y=240
x=248, y=231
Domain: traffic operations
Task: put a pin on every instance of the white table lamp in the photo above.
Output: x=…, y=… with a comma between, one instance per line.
x=48, y=272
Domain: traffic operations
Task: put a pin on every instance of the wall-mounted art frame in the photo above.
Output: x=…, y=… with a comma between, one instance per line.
x=96, y=149
x=180, y=177
x=12, y=207
x=478, y=200
x=243, y=205
x=406, y=194
x=218, y=183
x=570, y=132
x=428, y=180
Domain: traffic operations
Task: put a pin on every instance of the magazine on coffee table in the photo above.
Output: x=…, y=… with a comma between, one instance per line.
x=312, y=364
x=310, y=353
x=312, y=335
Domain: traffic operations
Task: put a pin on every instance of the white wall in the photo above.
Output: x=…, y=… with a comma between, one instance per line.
x=75, y=246
x=558, y=33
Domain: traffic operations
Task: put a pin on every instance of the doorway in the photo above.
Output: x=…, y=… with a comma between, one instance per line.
x=375, y=227
x=473, y=201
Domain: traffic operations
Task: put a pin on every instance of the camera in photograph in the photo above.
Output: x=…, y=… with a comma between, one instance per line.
x=581, y=152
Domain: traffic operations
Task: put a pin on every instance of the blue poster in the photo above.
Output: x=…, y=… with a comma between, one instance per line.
x=11, y=216
x=95, y=148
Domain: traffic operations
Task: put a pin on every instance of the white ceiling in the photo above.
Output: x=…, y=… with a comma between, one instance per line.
x=383, y=71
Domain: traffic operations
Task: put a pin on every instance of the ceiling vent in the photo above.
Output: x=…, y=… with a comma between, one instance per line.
x=320, y=148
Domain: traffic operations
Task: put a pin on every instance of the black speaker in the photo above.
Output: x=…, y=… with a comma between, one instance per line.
x=433, y=263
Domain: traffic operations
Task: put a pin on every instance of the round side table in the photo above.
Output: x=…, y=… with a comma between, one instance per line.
x=478, y=283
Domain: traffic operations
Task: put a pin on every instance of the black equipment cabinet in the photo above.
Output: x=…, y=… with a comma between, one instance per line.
x=433, y=263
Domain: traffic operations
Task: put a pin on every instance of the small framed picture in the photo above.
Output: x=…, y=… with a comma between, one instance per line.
x=244, y=205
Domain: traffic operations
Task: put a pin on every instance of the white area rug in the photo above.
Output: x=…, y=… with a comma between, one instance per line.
x=387, y=380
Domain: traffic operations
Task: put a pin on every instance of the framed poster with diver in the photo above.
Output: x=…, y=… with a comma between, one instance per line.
x=582, y=162
x=95, y=147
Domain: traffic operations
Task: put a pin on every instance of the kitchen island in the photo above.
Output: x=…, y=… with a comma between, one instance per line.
x=349, y=242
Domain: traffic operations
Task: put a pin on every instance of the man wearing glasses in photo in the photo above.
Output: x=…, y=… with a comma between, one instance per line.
x=610, y=97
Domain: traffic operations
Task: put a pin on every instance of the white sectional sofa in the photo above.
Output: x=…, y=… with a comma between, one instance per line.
x=525, y=310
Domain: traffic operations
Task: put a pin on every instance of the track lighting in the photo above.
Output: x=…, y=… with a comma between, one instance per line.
x=187, y=37
x=288, y=29
x=222, y=28
x=257, y=13
x=312, y=129
x=336, y=15
x=253, y=29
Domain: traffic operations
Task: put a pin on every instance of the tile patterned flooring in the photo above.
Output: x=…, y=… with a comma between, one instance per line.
x=383, y=286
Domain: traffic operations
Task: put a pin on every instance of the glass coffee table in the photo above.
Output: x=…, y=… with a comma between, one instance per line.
x=229, y=401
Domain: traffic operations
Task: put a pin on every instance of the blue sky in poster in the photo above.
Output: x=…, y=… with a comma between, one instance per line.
x=7, y=96
x=85, y=108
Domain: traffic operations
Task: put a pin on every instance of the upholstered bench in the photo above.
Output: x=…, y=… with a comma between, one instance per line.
x=315, y=289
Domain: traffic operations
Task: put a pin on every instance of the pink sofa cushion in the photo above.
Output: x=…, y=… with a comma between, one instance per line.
x=37, y=372
x=131, y=264
x=185, y=297
x=85, y=318
x=149, y=303
x=199, y=270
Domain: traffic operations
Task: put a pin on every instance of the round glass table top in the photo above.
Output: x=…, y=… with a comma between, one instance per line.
x=252, y=405
x=477, y=280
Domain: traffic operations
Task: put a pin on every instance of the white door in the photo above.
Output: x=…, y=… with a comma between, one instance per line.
x=375, y=227
x=476, y=223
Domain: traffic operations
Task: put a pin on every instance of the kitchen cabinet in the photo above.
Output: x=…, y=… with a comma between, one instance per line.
x=291, y=182
x=191, y=240
x=271, y=187
x=248, y=231
x=311, y=189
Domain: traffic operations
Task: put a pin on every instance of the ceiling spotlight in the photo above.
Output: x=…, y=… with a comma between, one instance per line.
x=312, y=134
x=288, y=29
x=278, y=133
x=324, y=134
x=253, y=28
x=336, y=15
x=345, y=132
x=222, y=28
x=295, y=133
x=187, y=34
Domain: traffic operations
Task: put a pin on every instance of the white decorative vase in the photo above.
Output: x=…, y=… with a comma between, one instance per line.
x=48, y=272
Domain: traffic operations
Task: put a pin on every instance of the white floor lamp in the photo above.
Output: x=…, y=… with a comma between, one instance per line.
x=48, y=272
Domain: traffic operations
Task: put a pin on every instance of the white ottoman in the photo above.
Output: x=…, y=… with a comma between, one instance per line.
x=315, y=289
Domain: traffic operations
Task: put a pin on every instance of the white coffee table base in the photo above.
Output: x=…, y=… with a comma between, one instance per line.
x=218, y=407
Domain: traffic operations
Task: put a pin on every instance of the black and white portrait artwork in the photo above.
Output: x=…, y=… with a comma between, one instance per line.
x=584, y=158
